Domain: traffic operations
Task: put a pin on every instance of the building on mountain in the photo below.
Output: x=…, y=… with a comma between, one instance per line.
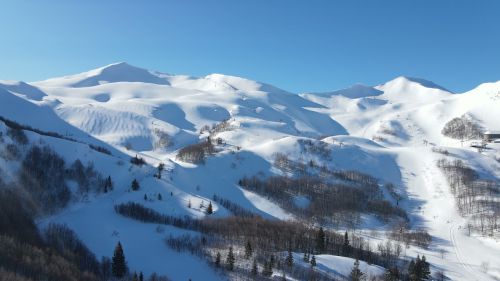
x=491, y=136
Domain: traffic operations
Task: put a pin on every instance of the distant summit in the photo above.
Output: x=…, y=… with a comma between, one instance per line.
x=117, y=72
x=419, y=81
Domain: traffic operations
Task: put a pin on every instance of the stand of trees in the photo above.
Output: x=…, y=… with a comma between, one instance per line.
x=341, y=204
x=316, y=147
x=16, y=131
x=462, y=128
x=476, y=198
x=196, y=153
x=88, y=178
x=43, y=175
x=162, y=139
x=25, y=254
x=403, y=234
x=234, y=208
x=264, y=235
x=136, y=160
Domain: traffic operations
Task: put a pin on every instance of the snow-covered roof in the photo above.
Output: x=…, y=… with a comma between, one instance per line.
x=492, y=133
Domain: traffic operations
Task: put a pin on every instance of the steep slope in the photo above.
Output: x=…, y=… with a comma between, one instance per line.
x=131, y=114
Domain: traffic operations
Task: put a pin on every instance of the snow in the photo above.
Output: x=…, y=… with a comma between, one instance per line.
x=340, y=266
x=117, y=72
x=387, y=131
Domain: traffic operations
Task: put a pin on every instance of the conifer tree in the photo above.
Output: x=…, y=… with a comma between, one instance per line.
x=267, y=270
x=313, y=261
x=426, y=272
x=391, y=274
x=255, y=270
x=306, y=257
x=248, y=250
x=320, y=241
x=135, y=185
x=160, y=168
x=230, y=259
x=159, y=197
x=145, y=197
x=356, y=274
x=217, y=259
x=419, y=269
x=108, y=184
x=135, y=277
x=118, y=264
x=412, y=270
x=289, y=257
x=346, y=247
x=210, y=208
x=141, y=276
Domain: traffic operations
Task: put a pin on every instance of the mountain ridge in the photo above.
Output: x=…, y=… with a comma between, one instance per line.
x=125, y=72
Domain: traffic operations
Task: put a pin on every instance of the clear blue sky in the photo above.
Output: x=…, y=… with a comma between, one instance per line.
x=296, y=45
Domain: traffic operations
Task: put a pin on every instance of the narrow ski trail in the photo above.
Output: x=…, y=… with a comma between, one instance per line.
x=434, y=209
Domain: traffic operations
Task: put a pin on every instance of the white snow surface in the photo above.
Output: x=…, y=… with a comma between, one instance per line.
x=386, y=131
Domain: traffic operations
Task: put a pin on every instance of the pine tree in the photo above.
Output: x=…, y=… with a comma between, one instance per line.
x=160, y=168
x=108, y=184
x=135, y=277
x=210, y=209
x=320, y=241
x=145, y=197
x=118, y=264
x=289, y=257
x=159, y=197
x=217, y=259
x=419, y=269
x=141, y=276
x=135, y=185
x=346, y=247
x=391, y=274
x=306, y=257
x=356, y=274
x=267, y=270
x=425, y=270
x=248, y=250
x=313, y=261
x=189, y=203
x=230, y=259
x=412, y=271
x=255, y=270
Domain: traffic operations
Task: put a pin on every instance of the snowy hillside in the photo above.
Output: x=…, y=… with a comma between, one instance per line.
x=360, y=162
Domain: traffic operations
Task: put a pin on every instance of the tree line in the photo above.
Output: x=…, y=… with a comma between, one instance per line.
x=330, y=202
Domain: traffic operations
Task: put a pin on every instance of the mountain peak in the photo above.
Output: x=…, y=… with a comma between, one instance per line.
x=112, y=73
x=404, y=81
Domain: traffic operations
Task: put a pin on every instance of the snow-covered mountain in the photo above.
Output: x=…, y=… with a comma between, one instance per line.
x=390, y=131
